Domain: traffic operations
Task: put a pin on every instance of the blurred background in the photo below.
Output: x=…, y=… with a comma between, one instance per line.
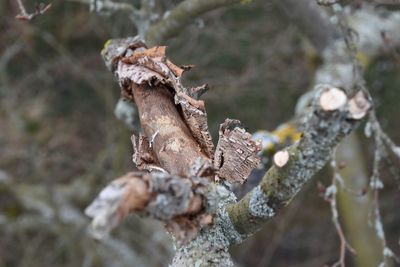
x=60, y=142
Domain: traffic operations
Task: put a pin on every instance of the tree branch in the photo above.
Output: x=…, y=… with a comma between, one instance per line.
x=40, y=9
x=331, y=119
x=107, y=6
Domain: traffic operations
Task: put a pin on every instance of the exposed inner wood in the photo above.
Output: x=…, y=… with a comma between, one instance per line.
x=173, y=144
x=281, y=158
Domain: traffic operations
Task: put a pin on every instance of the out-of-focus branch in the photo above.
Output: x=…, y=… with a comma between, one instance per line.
x=181, y=16
x=368, y=25
x=159, y=195
x=354, y=203
x=311, y=20
x=106, y=6
x=365, y=33
x=40, y=9
x=333, y=116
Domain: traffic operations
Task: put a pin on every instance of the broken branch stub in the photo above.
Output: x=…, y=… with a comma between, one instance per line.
x=281, y=158
x=124, y=195
x=174, y=120
x=153, y=82
x=332, y=99
x=158, y=195
x=175, y=145
x=359, y=105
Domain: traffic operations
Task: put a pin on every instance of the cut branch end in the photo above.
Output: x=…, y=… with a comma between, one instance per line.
x=332, y=99
x=359, y=105
x=281, y=158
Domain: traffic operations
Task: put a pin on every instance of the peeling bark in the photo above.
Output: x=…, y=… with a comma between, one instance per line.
x=236, y=154
x=151, y=80
x=175, y=141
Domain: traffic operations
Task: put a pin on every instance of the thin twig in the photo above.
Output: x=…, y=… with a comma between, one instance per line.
x=327, y=2
x=40, y=9
x=330, y=195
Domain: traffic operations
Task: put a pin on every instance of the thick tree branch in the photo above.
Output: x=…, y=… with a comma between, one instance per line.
x=331, y=119
x=181, y=16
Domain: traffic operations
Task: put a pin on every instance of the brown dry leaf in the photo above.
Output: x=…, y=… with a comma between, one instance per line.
x=236, y=153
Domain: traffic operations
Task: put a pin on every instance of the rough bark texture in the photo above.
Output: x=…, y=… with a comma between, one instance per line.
x=210, y=247
x=236, y=154
x=322, y=132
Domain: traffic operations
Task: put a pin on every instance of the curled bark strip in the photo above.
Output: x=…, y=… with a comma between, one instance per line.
x=196, y=118
x=115, y=49
x=236, y=153
x=161, y=196
x=153, y=82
